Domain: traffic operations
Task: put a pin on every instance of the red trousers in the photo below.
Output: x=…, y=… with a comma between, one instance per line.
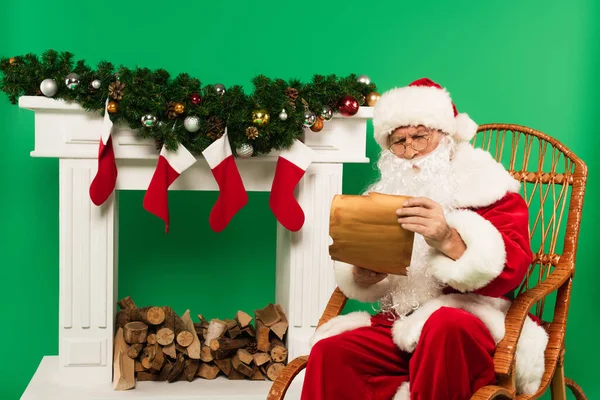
x=453, y=359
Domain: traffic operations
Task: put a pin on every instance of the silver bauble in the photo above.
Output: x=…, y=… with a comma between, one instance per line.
x=72, y=81
x=191, y=123
x=149, y=120
x=283, y=115
x=220, y=89
x=363, y=79
x=309, y=118
x=96, y=83
x=327, y=113
x=245, y=150
x=48, y=87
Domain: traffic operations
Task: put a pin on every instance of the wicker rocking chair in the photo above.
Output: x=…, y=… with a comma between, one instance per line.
x=554, y=180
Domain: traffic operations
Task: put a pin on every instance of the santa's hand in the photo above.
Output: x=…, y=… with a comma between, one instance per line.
x=365, y=278
x=426, y=217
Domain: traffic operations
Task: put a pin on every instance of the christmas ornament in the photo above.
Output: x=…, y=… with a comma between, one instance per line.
x=48, y=87
x=96, y=83
x=363, y=79
x=191, y=123
x=327, y=113
x=260, y=117
x=283, y=115
x=215, y=127
x=245, y=150
x=72, y=81
x=292, y=94
x=149, y=120
x=309, y=118
x=12, y=61
x=116, y=89
x=195, y=98
x=171, y=114
x=232, y=194
x=179, y=108
x=372, y=98
x=220, y=89
x=252, y=132
x=318, y=125
x=348, y=106
x=112, y=107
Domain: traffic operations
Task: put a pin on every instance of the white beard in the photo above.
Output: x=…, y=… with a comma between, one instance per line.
x=434, y=178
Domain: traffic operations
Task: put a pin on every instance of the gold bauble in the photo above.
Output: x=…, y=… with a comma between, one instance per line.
x=372, y=98
x=112, y=107
x=260, y=117
x=318, y=125
x=179, y=108
x=12, y=60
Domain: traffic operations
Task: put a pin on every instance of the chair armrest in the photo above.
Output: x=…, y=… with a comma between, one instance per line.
x=518, y=311
x=336, y=304
x=492, y=392
x=285, y=378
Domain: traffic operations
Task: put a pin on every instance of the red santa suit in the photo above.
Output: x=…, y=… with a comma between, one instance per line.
x=442, y=349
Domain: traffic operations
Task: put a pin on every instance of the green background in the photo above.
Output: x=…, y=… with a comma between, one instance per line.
x=527, y=62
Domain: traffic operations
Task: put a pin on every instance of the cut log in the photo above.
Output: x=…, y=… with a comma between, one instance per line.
x=208, y=371
x=240, y=366
x=181, y=349
x=146, y=376
x=165, y=371
x=231, y=323
x=147, y=356
x=170, y=350
x=234, y=332
x=216, y=329
x=123, y=317
x=261, y=358
x=273, y=370
x=249, y=331
x=280, y=328
x=235, y=375
x=258, y=375
x=135, y=332
x=262, y=337
x=227, y=348
x=134, y=350
x=224, y=365
x=177, y=368
x=159, y=358
x=123, y=366
x=269, y=315
x=205, y=354
x=165, y=336
x=151, y=339
x=139, y=367
x=278, y=351
x=190, y=369
x=185, y=338
x=148, y=315
x=243, y=319
x=244, y=356
x=126, y=303
x=193, y=348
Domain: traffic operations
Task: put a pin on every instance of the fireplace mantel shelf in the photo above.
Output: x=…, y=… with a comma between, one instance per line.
x=88, y=247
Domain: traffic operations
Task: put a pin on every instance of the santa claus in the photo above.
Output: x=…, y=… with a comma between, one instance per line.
x=437, y=328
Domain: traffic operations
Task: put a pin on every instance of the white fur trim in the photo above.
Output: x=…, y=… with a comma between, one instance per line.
x=180, y=159
x=491, y=311
x=481, y=179
x=299, y=154
x=403, y=392
x=218, y=151
x=530, y=357
x=340, y=324
x=108, y=125
x=345, y=281
x=482, y=261
x=413, y=106
x=466, y=128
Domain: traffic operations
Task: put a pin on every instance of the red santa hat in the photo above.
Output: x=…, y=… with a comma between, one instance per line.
x=423, y=102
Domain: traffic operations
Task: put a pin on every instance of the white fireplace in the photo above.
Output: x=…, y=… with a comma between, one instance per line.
x=88, y=242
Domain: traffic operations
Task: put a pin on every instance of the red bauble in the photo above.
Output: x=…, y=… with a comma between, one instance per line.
x=348, y=106
x=195, y=98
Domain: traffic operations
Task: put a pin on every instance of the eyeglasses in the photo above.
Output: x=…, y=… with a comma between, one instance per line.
x=418, y=142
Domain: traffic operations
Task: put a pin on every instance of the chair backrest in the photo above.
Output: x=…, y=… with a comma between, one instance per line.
x=553, y=185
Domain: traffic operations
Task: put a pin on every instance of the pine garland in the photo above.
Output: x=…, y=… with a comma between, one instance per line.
x=153, y=92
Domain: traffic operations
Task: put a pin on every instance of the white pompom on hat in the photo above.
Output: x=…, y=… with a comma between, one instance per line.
x=423, y=102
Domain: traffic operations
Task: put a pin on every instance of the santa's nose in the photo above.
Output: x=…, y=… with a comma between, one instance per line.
x=409, y=153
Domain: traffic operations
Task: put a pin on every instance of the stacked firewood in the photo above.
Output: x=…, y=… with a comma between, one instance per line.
x=156, y=344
